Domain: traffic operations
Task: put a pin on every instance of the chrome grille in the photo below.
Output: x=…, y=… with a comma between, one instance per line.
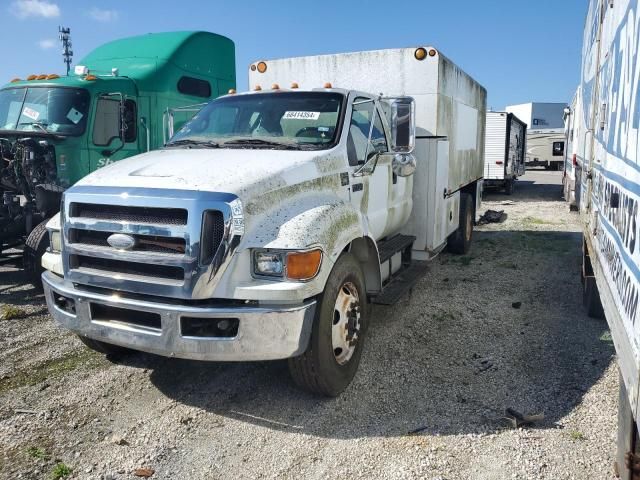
x=183, y=239
x=119, y=213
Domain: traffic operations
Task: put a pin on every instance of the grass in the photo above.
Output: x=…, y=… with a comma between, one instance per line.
x=60, y=471
x=49, y=369
x=9, y=312
x=606, y=337
x=36, y=452
x=536, y=221
x=577, y=436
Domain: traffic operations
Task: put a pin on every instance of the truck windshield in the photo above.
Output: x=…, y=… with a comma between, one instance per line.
x=294, y=120
x=57, y=110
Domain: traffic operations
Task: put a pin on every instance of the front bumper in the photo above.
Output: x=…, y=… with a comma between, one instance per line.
x=264, y=332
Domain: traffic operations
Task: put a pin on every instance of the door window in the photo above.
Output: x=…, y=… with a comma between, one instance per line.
x=107, y=123
x=358, y=145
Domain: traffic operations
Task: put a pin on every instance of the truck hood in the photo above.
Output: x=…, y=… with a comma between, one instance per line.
x=247, y=173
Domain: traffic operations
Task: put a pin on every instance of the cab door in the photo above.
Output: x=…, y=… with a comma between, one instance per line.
x=114, y=113
x=375, y=190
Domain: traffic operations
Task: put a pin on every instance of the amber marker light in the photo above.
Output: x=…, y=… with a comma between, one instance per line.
x=303, y=265
x=90, y=77
x=295, y=85
x=42, y=77
x=52, y=76
x=231, y=91
x=420, y=53
x=262, y=67
x=432, y=53
x=257, y=88
x=328, y=85
x=16, y=80
x=32, y=77
x=275, y=86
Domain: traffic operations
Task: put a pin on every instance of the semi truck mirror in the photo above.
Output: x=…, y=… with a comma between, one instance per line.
x=403, y=124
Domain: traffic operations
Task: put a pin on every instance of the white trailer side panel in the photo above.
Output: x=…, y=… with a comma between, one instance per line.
x=495, y=146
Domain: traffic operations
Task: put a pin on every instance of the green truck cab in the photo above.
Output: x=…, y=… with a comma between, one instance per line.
x=122, y=99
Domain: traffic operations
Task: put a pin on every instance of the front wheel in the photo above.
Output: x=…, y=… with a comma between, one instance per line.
x=337, y=337
x=34, y=248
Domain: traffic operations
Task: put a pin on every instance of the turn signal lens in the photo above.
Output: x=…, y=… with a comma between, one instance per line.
x=262, y=67
x=303, y=265
x=420, y=53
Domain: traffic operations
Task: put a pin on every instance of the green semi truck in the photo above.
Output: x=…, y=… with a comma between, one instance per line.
x=122, y=99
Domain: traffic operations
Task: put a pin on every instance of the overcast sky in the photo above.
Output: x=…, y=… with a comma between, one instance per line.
x=520, y=50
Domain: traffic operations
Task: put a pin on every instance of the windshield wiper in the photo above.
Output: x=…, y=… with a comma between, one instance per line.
x=36, y=124
x=188, y=142
x=263, y=143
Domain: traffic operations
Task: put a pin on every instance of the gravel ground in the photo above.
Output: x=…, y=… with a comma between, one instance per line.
x=429, y=400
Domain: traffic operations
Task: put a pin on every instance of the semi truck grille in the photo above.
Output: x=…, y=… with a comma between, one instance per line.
x=105, y=265
x=144, y=243
x=119, y=213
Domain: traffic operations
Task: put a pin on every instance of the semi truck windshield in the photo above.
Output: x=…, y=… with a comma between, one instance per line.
x=269, y=120
x=44, y=109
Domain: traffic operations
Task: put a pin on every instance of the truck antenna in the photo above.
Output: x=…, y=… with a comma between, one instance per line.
x=64, y=34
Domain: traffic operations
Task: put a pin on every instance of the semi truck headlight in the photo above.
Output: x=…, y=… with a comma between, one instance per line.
x=292, y=265
x=55, y=240
x=268, y=263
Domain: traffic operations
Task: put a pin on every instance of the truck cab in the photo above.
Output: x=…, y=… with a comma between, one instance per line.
x=55, y=129
x=267, y=225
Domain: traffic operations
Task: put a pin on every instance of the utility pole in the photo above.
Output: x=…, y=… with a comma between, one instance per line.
x=64, y=34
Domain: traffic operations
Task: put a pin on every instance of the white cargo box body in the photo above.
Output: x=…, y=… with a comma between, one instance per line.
x=449, y=103
x=539, y=115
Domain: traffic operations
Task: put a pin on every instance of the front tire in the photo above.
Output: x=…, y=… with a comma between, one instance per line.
x=34, y=248
x=337, y=338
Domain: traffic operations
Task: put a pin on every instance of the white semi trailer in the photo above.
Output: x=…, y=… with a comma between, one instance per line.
x=271, y=219
x=606, y=133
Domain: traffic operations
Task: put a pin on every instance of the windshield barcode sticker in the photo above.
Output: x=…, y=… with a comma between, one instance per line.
x=31, y=113
x=301, y=115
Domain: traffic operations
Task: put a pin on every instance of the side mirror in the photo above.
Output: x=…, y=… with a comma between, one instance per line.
x=403, y=124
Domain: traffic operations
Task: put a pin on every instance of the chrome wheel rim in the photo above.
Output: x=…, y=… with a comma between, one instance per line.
x=345, y=328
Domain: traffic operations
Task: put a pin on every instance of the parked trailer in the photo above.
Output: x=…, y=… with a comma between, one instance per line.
x=278, y=214
x=56, y=129
x=505, y=147
x=573, y=159
x=545, y=148
x=606, y=131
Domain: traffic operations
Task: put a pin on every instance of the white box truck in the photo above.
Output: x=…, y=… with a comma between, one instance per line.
x=573, y=159
x=272, y=218
x=504, y=150
x=606, y=132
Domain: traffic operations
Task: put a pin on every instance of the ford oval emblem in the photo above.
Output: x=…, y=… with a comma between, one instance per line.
x=121, y=241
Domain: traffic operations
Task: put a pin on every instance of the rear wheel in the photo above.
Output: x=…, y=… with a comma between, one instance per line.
x=508, y=186
x=34, y=248
x=337, y=338
x=104, y=348
x=459, y=241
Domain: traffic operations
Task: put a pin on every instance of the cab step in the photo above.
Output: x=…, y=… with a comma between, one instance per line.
x=389, y=248
x=401, y=283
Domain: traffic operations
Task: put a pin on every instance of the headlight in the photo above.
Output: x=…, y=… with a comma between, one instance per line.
x=268, y=263
x=55, y=241
x=292, y=265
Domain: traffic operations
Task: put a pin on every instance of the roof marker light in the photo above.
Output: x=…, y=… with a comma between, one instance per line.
x=42, y=77
x=52, y=76
x=253, y=68
x=420, y=53
x=257, y=88
x=262, y=67
x=32, y=77
x=16, y=80
x=231, y=91
x=294, y=85
x=90, y=77
x=328, y=85
x=275, y=86
x=432, y=53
